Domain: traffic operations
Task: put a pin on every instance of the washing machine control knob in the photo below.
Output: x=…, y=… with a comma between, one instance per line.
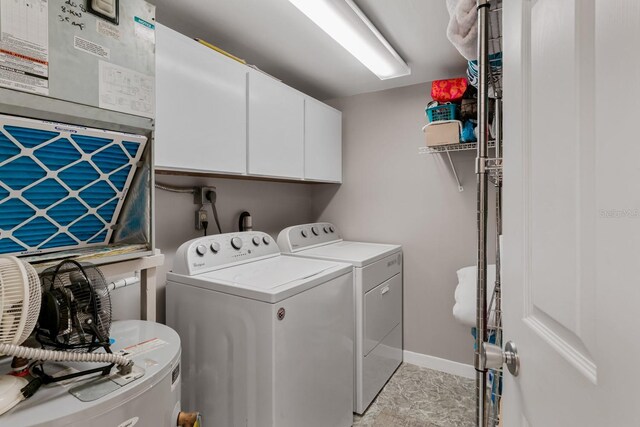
x=256, y=241
x=201, y=250
x=215, y=247
x=236, y=242
x=331, y=229
x=325, y=229
x=266, y=240
x=314, y=230
x=304, y=233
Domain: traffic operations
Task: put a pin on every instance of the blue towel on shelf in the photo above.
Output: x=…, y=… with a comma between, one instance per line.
x=491, y=336
x=467, y=134
x=495, y=64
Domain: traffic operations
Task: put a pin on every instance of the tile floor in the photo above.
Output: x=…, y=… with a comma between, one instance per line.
x=419, y=397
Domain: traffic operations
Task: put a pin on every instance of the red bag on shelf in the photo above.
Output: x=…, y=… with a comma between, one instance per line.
x=448, y=90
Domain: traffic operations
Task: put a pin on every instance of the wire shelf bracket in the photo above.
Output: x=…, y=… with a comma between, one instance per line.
x=448, y=149
x=455, y=174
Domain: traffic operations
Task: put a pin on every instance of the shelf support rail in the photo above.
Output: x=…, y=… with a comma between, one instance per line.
x=495, y=306
x=482, y=209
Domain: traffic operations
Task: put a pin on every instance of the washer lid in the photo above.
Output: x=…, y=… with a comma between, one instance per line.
x=270, y=280
x=356, y=253
x=272, y=273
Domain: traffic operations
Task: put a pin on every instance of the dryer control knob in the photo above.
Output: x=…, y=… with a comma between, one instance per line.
x=201, y=250
x=236, y=242
x=266, y=240
x=215, y=247
x=304, y=233
x=256, y=241
x=314, y=230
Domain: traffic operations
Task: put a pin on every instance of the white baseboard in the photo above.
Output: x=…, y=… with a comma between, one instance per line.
x=438, y=364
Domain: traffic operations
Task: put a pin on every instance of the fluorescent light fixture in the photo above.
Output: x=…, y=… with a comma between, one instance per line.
x=347, y=24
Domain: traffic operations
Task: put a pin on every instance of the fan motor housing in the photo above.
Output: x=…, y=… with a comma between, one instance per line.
x=76, y=308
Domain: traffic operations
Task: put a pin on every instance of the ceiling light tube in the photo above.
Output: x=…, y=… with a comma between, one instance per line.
x=348, y=25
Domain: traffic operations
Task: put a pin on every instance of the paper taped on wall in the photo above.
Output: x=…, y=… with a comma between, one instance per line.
x=126, y=90
x=24, y=45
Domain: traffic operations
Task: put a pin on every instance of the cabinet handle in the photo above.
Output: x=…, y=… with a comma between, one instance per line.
x=384, y=290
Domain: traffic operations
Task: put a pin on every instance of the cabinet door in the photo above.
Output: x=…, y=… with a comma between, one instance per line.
x=276, y=134
x=201, y=111
x=322, y=142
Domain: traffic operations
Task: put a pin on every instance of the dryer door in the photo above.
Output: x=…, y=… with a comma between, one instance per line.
x=382, y=311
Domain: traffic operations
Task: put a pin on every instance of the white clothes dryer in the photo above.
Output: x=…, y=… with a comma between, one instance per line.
x=267, y=339
x=378, y=300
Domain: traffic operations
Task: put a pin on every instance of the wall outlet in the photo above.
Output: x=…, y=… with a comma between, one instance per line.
x=200, y=195
x=202, y=216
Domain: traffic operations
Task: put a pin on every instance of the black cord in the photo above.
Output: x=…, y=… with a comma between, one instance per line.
x=205, y=224
x=215, y=217
x=31, y=387
x=211, y=196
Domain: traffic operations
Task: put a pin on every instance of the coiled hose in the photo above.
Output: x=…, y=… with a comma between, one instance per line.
x=124, y=364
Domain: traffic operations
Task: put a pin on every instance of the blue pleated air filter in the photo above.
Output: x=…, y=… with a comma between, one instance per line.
x=61, y=186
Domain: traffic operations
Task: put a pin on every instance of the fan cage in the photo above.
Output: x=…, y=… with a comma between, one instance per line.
x=84, y=287
x=20, y=298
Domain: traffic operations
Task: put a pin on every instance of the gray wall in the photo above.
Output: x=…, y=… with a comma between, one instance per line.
x=390, y=194
x=393, y=194
x=273, y=206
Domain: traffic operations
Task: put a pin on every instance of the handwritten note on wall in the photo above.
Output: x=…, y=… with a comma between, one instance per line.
x=72, y=13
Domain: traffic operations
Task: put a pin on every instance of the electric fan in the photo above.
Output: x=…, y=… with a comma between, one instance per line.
x=73, y=321
x=76, y=313
x=19, y=307
x=76, y=308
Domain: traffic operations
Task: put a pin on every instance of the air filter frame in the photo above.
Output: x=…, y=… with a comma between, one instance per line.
x=48, y=168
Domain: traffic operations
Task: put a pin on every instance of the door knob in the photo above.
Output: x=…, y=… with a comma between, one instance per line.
x=495, y=357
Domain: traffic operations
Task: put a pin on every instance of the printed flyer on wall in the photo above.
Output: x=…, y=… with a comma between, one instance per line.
x=24, y=45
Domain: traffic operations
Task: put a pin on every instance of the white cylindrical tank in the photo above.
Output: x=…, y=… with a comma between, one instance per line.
x=153, y=400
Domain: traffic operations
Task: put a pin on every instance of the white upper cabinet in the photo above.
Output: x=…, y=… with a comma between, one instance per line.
x=276, y=128
x=217, y=116
x=322, y=142
x=201, y=107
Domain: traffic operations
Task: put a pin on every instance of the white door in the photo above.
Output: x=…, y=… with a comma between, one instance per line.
x=571, y=285
x=322, y=142
x=276, y=128
x=201, y=107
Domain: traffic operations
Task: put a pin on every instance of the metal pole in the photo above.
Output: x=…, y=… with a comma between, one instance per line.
x=498, y=284
x=482, y=187
x=493, y=419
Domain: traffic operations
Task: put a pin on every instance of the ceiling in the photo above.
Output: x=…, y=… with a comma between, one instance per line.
x=278, y=38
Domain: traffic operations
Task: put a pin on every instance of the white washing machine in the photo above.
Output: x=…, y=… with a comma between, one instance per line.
x=378, y=300
x=267, y=339
x=150, y=401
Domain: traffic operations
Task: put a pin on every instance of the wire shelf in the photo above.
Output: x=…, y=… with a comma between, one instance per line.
x=449, y=148
x=495, y=44
x=495, y=176
x=452, y=147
